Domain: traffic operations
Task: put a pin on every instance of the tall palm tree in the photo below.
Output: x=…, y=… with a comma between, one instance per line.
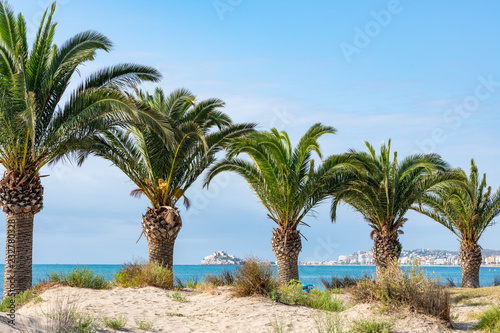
x=386, y=190
x=286, y=182
x=37, y=129
x=164, y=172
x=467, y=211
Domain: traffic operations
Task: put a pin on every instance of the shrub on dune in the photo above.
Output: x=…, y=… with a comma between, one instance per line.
x=412, y=288
x=20, y=299
x=138, y=274
x=292, y=293
x=81, y=277
x=254, y=277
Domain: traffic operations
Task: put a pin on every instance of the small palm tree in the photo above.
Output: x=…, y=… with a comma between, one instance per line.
x=164, y=172
x=35, y=129
x=467, y=211
x=386, y=190
x=286, y=182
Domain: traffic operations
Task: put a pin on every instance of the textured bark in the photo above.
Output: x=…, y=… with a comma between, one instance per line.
x=161, y=227
x=470, y=260
x=18, y=253
x=286, y=244
x=21, y=198
x=386, y=249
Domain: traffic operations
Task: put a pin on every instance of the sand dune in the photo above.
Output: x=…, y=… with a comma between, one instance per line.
x=219, y=311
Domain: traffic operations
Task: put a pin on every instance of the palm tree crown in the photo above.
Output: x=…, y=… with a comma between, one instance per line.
x=465, y=210
x=284, y=178
x=387, y=189
x=164, y=170
x=36, y=129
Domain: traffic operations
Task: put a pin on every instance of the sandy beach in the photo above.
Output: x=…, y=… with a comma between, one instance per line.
x=220, y=311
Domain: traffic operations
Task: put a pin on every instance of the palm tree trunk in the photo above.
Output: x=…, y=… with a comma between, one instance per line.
x=161, y=227
x=386, y=250
x=470, y=260
x=21, y=197
x=161, y=251
x=286, y=244
x=18, y=253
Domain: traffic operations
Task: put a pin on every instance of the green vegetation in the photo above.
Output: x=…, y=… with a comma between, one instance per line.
x=20, y=299
x=254, y=277
x=145, y=325
x=80, y=277
x=163, y=143
x=489, y=320
x=177, y=296
x=191, y=284
x=117, y=323
x=400, y=288
x=292, y=293
x=139, y=274
x=327, y=322
x=371, y=325
x=67, y=317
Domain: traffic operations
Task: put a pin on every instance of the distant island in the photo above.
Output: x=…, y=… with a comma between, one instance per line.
x=221, y=258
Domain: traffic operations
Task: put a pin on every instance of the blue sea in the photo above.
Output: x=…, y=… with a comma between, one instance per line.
x=308, y=274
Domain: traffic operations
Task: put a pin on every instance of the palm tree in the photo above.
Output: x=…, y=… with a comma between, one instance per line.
x=386, y=190
x=286, y=182
x=164, y=172
x=467, y=211
x=35, y=129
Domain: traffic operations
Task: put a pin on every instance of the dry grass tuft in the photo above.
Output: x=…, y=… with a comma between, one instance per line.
x=396, y=288
x=204, y=287
x=254, y=277
x=336, y=282
x=225, y=278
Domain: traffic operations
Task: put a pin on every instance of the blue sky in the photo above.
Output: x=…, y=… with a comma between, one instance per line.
x=425, y=74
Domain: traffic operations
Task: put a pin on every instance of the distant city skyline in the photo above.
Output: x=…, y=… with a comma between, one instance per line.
x=424, y=74
x=422, y=257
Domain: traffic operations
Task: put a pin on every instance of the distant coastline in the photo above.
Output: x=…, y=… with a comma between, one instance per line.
x=405, y=265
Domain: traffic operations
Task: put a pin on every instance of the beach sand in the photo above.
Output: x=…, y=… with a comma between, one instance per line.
x=215, y=311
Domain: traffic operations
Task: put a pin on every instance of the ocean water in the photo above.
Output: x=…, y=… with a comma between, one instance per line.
x=308, y=274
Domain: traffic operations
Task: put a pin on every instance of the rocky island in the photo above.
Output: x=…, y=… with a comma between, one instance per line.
x=221, y=258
